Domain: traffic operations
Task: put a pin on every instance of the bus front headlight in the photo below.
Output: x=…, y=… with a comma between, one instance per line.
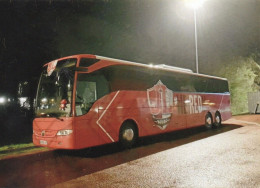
x=64, y=132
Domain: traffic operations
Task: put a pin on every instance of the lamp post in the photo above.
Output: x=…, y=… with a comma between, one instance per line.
x=195, y=4
x=196, y=41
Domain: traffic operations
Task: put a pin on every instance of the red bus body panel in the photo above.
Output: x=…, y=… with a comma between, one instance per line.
x=153, y=114
x=45, y=129
x=102, y=123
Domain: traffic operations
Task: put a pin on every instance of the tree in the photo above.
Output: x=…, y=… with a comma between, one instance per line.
x=243, y=75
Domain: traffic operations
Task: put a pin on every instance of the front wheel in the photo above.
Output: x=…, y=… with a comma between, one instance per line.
x=128, y=135
x=208, y=121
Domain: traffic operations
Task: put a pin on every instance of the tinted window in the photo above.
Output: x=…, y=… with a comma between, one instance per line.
x=86, y=62
x=129, y=78
x=141, y=78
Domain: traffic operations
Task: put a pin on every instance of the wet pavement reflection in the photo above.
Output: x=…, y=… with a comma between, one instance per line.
x=53, y=167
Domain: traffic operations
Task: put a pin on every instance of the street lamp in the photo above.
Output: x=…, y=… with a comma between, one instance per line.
x=195, y=4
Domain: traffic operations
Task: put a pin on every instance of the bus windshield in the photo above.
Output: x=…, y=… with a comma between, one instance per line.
x=54, y=96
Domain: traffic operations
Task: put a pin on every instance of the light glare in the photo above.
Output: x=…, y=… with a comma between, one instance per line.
x=2, y=100
x=195, y=4
x=44, y=100
x=151, y=65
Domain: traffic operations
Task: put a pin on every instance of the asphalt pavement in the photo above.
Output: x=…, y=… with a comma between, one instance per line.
x=224, y=157
x=229, y=159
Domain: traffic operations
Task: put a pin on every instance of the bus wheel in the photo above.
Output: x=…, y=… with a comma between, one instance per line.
x=208, y=121
x=217, y=122
x=127, y=135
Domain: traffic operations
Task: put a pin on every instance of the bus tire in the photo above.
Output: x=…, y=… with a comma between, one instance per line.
x=208, y=121
x=217, y=120
x=128, y=135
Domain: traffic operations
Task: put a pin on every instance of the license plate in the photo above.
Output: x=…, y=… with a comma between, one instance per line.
x=43, y=142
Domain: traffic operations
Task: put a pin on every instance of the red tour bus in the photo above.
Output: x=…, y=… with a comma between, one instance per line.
x=87, y=100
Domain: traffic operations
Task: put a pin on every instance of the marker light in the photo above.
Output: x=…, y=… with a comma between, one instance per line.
x=187, y=101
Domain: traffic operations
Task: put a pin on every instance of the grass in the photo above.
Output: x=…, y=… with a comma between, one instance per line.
x=19, y=149
x=15, y=146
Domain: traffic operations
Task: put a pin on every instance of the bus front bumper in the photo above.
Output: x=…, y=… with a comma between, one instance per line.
x=57, y=142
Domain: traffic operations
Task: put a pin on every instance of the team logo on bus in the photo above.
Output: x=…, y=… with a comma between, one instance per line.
x=160, y=101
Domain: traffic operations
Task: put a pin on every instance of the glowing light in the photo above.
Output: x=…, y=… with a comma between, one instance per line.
x=44, y=100
x=22, y=100
x=195, y=4
x=151, y=65
x=2, y=100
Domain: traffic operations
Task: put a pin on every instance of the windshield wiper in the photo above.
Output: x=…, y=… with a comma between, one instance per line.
x=55, y=116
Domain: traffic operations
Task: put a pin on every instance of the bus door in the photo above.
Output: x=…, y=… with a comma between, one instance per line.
x=90, y=88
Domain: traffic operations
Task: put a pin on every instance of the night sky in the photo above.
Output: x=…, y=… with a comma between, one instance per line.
x=146, y=31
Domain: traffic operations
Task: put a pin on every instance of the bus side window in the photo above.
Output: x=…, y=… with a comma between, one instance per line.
x=90, y=87
x=201, y=84
x=187, y=83
x=87, y=62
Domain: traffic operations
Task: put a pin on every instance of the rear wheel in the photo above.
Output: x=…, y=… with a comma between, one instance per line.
x=217, y=122
x=128, y=135
x=208, y=121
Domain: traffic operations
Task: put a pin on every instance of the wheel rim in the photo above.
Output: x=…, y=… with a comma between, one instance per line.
x=209, y=121
x=217, y=119
x=128, y=134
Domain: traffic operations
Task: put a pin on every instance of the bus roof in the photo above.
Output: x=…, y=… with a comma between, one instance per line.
x=159, y=66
